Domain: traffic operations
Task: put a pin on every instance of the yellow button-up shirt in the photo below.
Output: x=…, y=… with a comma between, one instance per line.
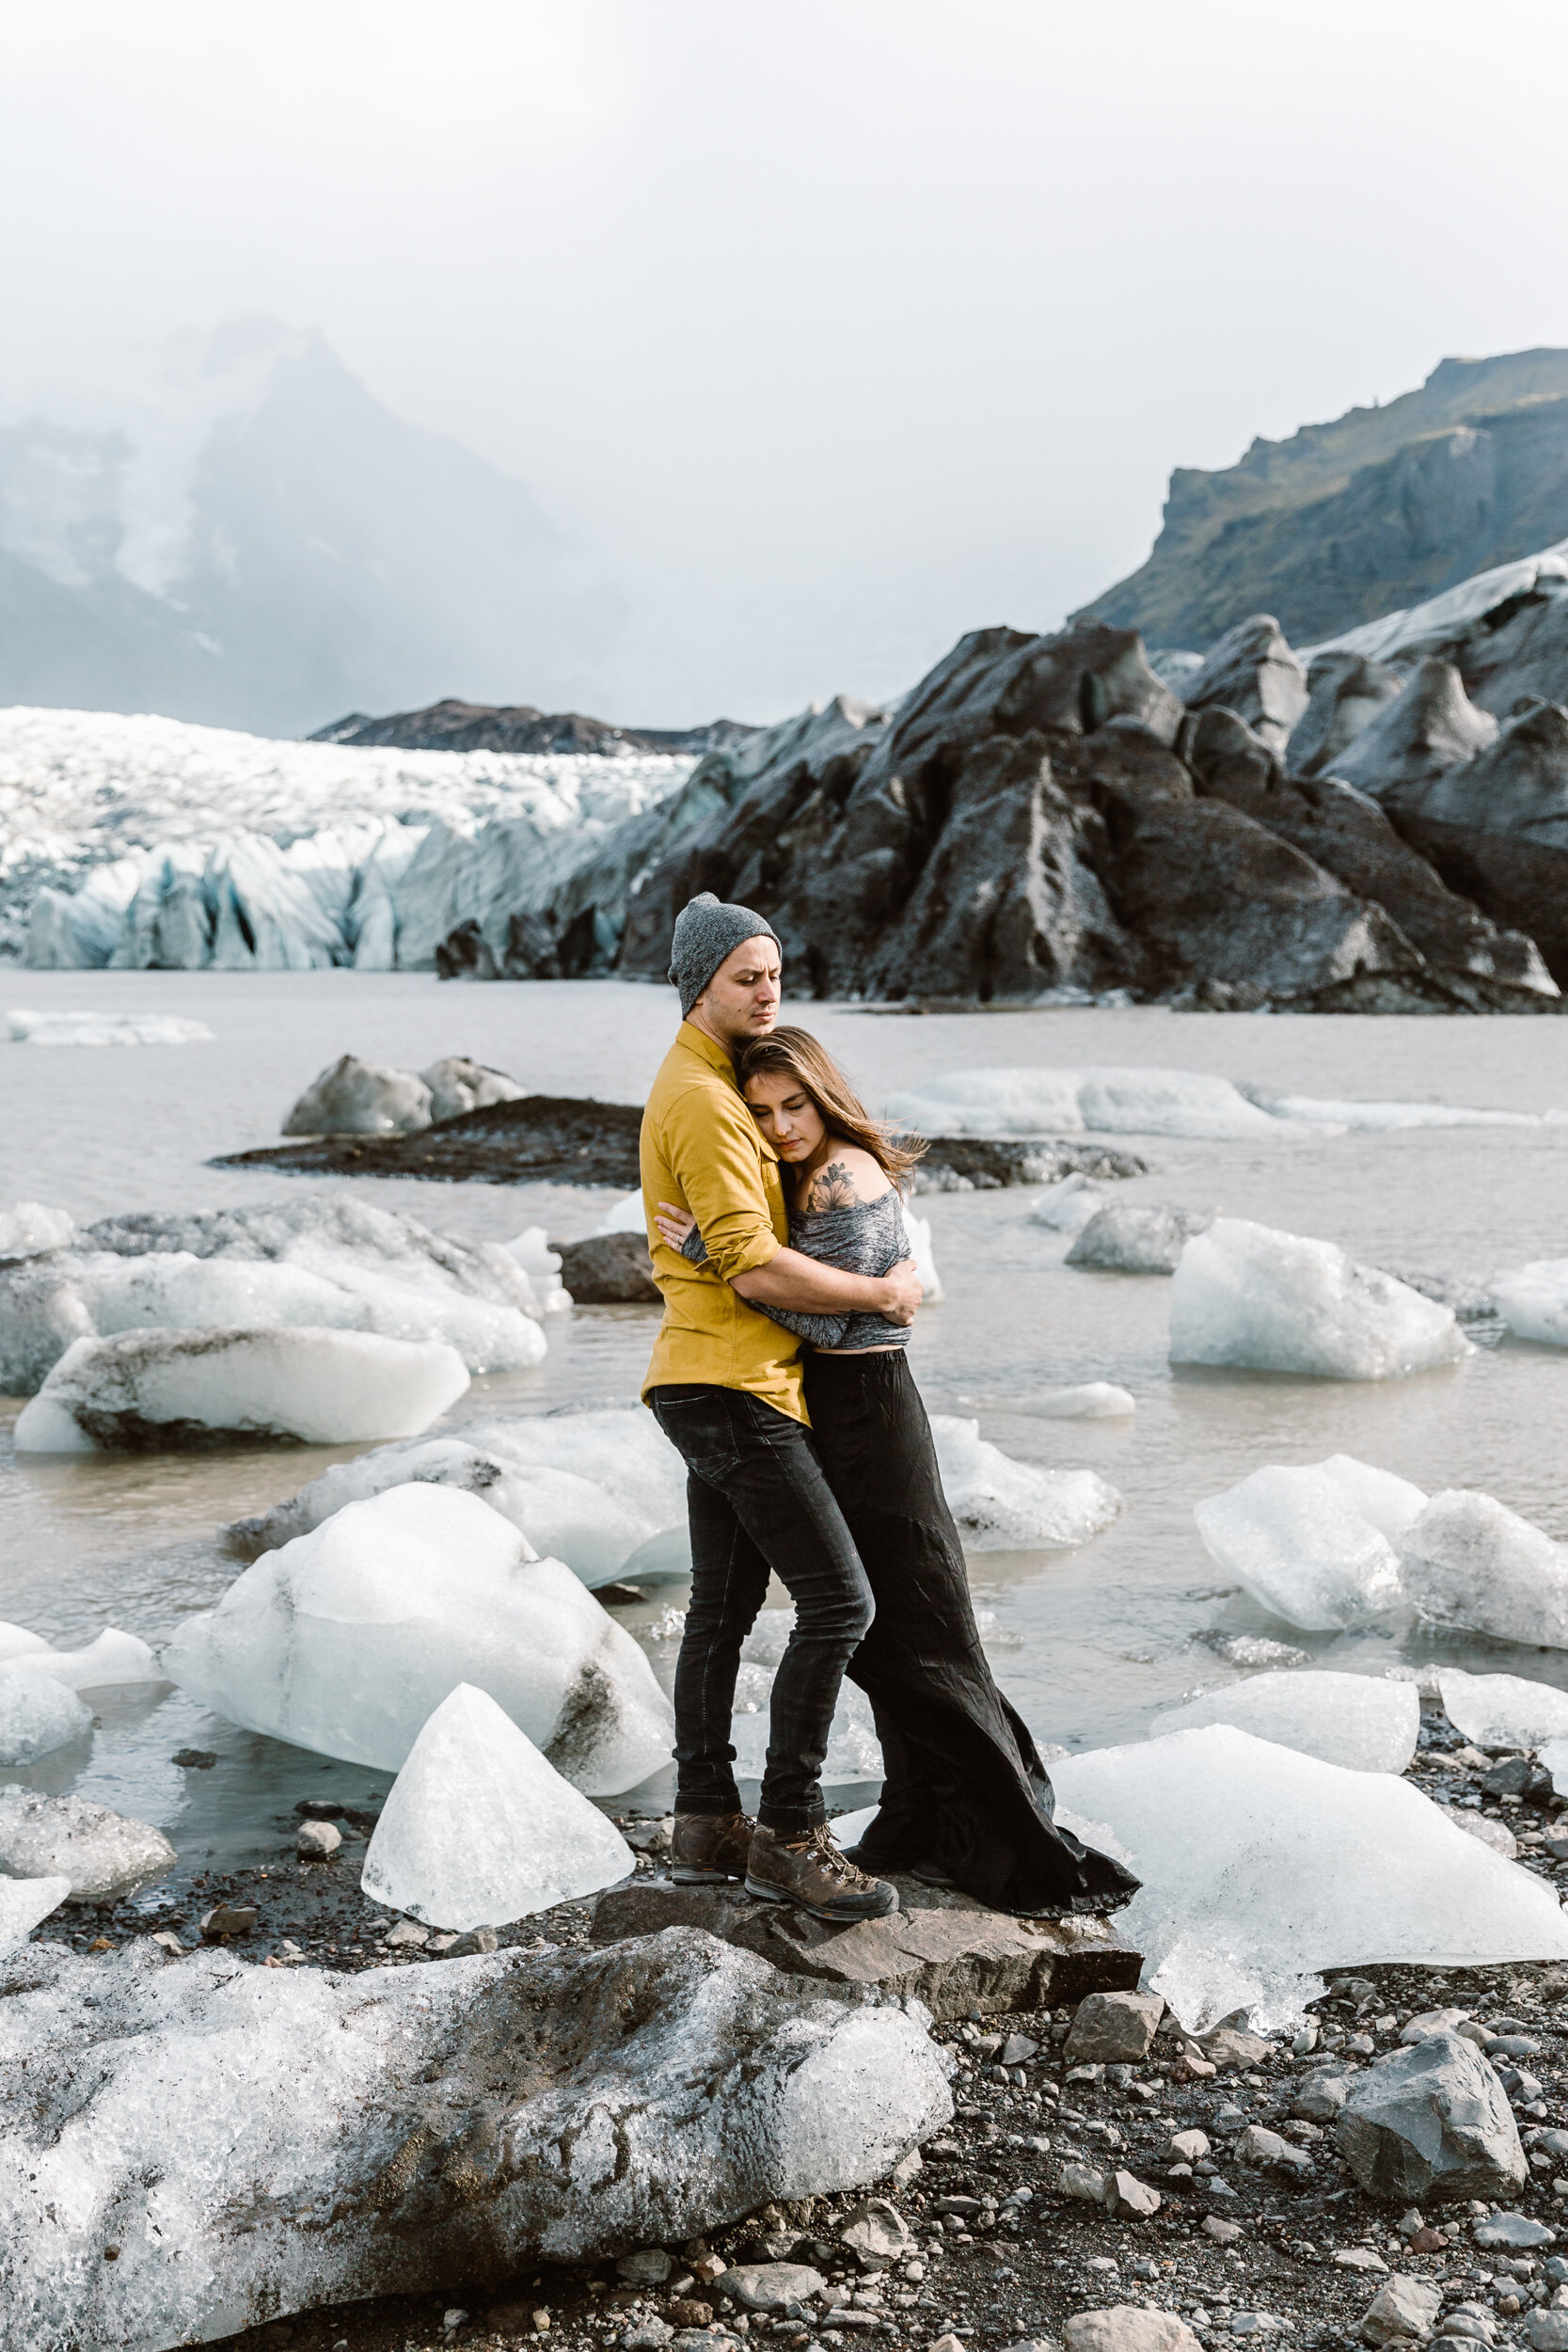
x=701, y=1147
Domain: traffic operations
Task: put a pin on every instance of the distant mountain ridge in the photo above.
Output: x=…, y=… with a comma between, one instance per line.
x=256, y=542
x=459, y=726
x=1345, y=521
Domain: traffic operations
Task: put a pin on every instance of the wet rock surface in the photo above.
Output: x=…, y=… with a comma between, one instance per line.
x=939, y=1947
x=538, y=1138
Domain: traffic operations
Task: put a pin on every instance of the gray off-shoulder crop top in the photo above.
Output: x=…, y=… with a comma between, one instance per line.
x=866, y=1237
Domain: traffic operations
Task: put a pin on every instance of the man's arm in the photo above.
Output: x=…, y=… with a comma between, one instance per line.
x=794, y=1280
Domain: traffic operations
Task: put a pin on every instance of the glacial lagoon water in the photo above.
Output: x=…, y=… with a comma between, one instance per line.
x=1091, y=1643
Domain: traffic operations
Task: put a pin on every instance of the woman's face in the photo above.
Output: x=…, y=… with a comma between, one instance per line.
x=786, y=1114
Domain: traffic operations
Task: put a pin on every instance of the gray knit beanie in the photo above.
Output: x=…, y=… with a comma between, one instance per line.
x=706, y=931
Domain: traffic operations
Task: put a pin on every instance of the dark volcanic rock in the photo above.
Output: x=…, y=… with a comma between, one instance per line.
x=540, y=1139
x=1518, y=785
x=1350, y=834
x=1253, y=672
x=982, y=1164
x=609, y=1271
x=459, y=726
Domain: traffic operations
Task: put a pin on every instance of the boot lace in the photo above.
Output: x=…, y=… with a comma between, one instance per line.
x=820, y=1847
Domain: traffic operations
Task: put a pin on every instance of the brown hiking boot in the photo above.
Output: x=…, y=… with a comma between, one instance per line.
x=809, y=1871
x=710, y=1848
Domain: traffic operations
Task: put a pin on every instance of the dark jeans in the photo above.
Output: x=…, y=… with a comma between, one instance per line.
x=758, y=1502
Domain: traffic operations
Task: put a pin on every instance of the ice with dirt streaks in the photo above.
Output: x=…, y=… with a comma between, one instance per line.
x=1358, y=1721
x=478, y=1829
x=145, y=1389
x=1124, y=1238
x=1471, y=1563
x=1261, y=1867
x=1316, y=1545
x=348, y=1638
x=1503, y=1711
x=1000, y=1505
x=1247, y=1295
x=589, y=1488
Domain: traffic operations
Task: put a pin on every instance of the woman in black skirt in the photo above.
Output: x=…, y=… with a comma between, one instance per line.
x=966, y=1801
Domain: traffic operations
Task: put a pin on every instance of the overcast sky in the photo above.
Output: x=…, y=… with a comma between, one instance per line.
x=831, y=329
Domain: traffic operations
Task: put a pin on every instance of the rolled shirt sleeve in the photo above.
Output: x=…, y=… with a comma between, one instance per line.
x=713, y=1155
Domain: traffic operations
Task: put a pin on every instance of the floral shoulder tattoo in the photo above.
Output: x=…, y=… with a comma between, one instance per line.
x=832, y=1187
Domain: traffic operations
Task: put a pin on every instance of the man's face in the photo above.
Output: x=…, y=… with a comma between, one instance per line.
x=741, y=1000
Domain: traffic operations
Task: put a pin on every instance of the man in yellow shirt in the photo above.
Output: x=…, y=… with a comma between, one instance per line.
x=725, y=1385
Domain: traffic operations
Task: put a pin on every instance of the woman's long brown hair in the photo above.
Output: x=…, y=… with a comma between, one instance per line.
x=796, y=1054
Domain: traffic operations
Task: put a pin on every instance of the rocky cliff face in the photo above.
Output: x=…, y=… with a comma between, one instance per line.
x=1381, y=508
x=459, y=726
x=1044, y=813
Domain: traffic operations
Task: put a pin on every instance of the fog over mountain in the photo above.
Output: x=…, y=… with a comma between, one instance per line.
x=250, y=538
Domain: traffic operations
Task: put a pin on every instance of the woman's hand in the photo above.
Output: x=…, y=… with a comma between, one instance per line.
x=673, y=1223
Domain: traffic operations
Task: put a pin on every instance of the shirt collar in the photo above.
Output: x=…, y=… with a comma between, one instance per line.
x=708, y=1049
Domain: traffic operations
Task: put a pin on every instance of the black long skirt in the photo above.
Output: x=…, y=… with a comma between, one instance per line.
x=965, y=1787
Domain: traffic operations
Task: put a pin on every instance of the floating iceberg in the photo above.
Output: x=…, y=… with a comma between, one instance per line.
x=1471, y=1561
x=479, y=1829
x=37, y=1716
x=1001, y=1505
x=1121, y=1238
x=105, y=1028
x=100, y=1855
x=360, y=1098
x=1152, y=1101
x=348, y=1638
x=591, y=1488
x=1249, y=1295
x=321, y=1263
x=1091, y=1400
x=1532, y=1300
x=542, y=1264
x=1072, y=1101
x=113, y=1656
x=918, y=1230
x=1261, y=1866
x=1067, y=1207
x=1503, y=1711
x=1357, y=1721
x=30, y=1228
x=1317, y=1545
x=168, y=1389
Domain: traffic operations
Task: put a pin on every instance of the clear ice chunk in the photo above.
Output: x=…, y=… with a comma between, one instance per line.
x=111, y=1656
x=592, y=1488
x=329, y=1388
x=1067, y=1206
x=1359, y=1721
x=1532, y=1300
x=30, y=1228
x=1471, y=1563
x=26, y=1902
x=1503, y=1711
x=479, y=1829
x=1261, y=1867
x=37, y=1716
x=1268, y=1302
x=102, y=1856
x=348, y=1638
x=1001, y=1505
x=1316, y=1545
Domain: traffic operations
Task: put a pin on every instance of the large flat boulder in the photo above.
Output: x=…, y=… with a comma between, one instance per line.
x=190, y=2146
x=941, y=1947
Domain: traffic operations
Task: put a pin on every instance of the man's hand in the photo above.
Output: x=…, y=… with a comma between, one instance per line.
x=905, y=1291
